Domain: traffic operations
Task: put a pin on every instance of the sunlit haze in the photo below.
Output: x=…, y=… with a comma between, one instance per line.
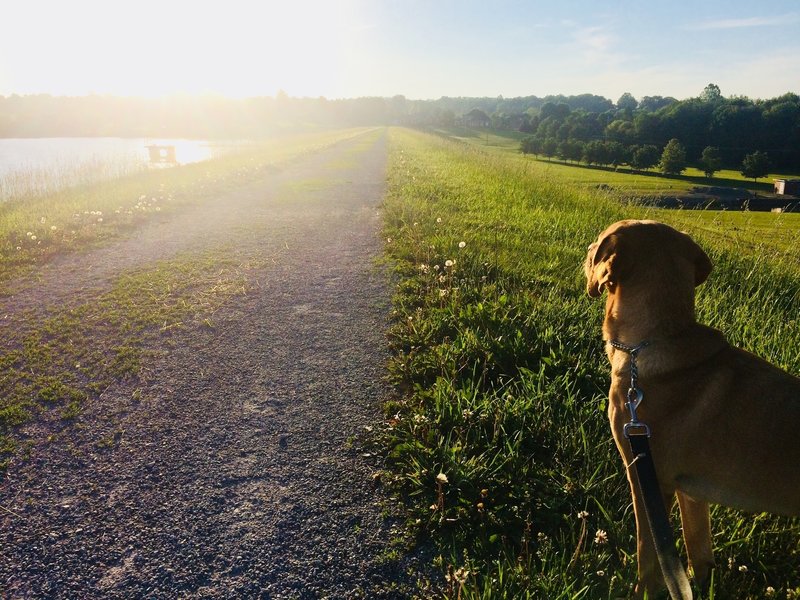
x=419, y=48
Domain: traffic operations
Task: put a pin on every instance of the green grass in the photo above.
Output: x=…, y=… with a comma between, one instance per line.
x=503, y=380
x=633, y=184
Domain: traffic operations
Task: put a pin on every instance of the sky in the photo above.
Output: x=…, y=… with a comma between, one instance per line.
x=422, y=49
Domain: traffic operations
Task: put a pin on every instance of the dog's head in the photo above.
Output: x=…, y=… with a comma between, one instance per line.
x=637, y=251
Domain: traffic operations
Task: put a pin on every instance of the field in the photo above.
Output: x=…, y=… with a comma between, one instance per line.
x=618, y=181
x=499, y=438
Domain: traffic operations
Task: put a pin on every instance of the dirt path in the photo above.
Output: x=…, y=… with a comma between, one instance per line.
x=233, y=474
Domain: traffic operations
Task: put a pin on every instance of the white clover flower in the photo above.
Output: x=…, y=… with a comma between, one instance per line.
x=583, y=515
x=438, y=219
x=743, y=569
x=29, y=234
x=462, y=244
x=600, y=537
x=770, y=591
x=100, y=219
x=441, y=478
x=601, y=573
x=53, y=227
x=461, y=575
x=33, y=237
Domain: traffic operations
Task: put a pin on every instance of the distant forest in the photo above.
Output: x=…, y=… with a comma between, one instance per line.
x=735, y=125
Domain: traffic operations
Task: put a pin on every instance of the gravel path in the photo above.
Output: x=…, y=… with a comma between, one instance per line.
x=233, y=474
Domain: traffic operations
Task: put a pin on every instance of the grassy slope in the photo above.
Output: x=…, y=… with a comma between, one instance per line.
x=634, y=184
x=500, y=359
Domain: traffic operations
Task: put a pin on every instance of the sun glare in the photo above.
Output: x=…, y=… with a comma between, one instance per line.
x=151, y=48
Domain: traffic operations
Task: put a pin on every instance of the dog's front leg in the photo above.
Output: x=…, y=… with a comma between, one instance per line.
x=696, y=523
x=650, y=579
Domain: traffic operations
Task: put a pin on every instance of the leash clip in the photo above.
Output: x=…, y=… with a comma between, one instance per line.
x=635, y=395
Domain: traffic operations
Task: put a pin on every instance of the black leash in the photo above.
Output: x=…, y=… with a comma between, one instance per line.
x=638, y=435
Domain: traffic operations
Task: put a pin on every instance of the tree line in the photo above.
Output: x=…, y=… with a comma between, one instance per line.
x=710, y=130
x=736, y=126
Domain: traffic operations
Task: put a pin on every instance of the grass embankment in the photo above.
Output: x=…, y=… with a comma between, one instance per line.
x=622, y=180
x=500, y=438
x=51, y=367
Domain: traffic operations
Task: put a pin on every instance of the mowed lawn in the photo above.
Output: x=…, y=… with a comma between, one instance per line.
x=499, y=439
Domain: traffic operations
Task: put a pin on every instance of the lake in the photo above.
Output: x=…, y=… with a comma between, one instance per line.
x=34, y=166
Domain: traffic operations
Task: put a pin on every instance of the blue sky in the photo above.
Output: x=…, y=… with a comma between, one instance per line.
x=422, y=49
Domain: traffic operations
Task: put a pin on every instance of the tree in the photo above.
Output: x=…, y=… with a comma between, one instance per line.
x=711, y=93
x=570, y=150
x=627, y=101
x=549, y=147
x=596, y=153
x=755, y=165
x=710, y=161
x=530, y=145
x=673, y=158
x=645, y=157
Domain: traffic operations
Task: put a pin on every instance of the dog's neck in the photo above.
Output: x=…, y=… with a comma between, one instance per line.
x=646, y=314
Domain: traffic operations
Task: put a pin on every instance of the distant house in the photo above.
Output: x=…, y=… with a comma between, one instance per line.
x=787, y=187
x=476, y=118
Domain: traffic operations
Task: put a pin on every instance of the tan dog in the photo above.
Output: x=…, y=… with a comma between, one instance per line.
x=724, y=422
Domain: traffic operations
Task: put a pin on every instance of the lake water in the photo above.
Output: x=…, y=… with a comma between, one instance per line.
x=41, y=165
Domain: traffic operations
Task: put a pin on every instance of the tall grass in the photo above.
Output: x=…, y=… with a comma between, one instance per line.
x=499, y=437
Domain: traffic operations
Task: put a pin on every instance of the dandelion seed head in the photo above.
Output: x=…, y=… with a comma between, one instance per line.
x=449, y=263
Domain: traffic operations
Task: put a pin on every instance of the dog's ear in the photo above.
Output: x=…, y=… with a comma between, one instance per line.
x=607, y=267
x=702, y=265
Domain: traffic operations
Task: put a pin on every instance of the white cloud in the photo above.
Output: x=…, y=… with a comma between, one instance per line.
x=771, y=21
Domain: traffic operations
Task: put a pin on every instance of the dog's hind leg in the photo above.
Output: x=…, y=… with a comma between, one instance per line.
x=696, y=523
